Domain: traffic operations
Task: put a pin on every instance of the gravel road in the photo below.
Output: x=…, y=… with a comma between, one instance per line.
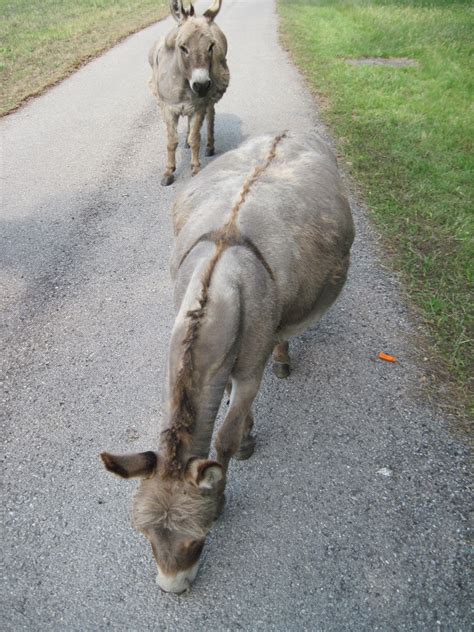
x=351, y=515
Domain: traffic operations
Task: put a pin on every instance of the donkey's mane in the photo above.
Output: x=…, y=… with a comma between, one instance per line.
x=179, y=433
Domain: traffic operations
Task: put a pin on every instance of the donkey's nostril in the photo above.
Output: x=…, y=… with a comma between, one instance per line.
x=201, y=87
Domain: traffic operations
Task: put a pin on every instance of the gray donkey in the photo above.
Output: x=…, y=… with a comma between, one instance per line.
x=189, y=75
x=263, y=236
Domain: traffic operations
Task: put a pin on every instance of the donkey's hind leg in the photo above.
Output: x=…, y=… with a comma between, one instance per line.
x=210, y=116
x=281, y=360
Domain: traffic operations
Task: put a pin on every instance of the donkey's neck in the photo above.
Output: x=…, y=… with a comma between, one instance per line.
x=203, y=348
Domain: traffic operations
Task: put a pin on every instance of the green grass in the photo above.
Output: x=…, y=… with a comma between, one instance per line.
x=407, y=136
x=44, y=40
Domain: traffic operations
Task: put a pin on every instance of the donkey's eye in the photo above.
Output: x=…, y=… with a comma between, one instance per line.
x=184, y=49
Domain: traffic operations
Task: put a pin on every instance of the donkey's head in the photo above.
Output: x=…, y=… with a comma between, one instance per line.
x=174, y=513
x=194, y=44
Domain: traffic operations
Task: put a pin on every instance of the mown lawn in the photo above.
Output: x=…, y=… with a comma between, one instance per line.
x=407, y=136
x=44, y=40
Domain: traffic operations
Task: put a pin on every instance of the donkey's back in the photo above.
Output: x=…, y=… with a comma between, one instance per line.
x=284, y=198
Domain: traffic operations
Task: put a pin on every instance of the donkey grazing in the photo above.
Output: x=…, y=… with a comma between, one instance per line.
x=262, y=245
x=189, y=75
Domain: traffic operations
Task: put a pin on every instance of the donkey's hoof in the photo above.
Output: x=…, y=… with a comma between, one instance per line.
x=195, y=170
x=210, y=151
x=246, y=449
x=166, y=180
x=281, y=369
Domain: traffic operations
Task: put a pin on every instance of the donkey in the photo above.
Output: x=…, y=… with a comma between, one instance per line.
x=263, y=236
x=189, y=75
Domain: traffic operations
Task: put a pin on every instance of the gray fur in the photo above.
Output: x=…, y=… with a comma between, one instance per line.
x=297, y=216
x=205, y=49
x=262, y=245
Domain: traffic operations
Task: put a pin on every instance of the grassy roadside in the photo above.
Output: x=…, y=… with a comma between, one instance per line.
x=42, y=41
x=407, y=135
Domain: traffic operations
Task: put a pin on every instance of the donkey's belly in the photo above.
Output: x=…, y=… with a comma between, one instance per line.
x=296, y=329
x=304, y=319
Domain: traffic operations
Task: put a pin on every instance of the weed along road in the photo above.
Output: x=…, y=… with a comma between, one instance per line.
x=350, y=514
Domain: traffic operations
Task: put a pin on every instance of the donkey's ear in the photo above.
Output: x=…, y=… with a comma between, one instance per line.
x=191, y=11
x=139, y=465
x=170, y=39
x=213, y=10
x=176, y=10
x=203, y=473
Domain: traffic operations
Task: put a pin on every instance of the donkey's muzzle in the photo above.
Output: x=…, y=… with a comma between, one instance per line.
x=201, y=88
x=179, y=582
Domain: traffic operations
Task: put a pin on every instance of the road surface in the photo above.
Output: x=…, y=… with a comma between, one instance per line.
x=351, y=513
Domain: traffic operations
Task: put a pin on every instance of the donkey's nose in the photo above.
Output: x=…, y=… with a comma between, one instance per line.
x=174, y=592
x=201, y=87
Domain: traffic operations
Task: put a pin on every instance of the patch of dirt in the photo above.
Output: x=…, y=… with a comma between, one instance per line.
x=395, y=62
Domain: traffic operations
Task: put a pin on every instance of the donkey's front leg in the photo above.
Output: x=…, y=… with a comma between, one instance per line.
x=234, y=438
x=195, y=140
x=210, y=116
x=171, y=121
x=188, y=132
x=281, y=360
x=247, y=443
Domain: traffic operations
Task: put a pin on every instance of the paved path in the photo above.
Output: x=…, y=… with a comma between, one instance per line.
x=350, y=514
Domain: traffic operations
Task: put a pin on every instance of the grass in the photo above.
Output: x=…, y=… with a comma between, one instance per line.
x=407, y=136
x=42, y=41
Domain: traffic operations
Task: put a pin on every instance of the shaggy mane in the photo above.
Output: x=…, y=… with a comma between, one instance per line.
x=174, y=510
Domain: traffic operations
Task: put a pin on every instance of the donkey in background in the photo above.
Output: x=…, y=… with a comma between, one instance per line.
x=263, y=236
x=189, y=75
